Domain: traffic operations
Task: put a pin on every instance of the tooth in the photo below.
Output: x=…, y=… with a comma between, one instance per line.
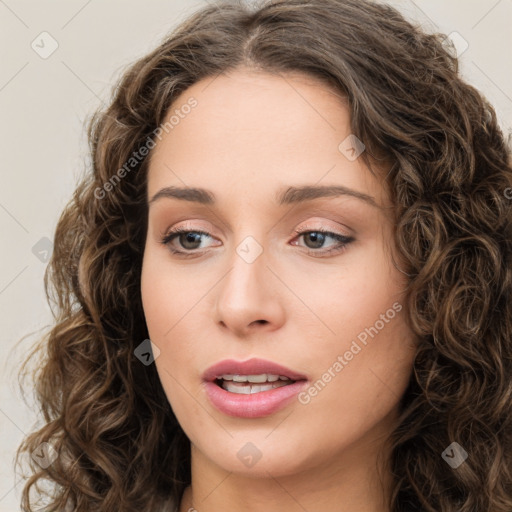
x=260, y=378
x=230, y=386
x=235, y=387
x=246, y=390
x=257, y=378
x=241, y=388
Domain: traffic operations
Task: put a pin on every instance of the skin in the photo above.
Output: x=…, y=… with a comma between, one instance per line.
x=250, y=135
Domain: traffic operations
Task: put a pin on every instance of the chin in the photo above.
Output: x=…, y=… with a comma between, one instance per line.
x=259, y=456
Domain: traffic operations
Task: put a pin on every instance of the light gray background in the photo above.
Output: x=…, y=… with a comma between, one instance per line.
x=43, y=105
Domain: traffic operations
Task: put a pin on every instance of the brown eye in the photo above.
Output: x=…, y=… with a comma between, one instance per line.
x=188, y=240
x=315, y=241
x=316, y=237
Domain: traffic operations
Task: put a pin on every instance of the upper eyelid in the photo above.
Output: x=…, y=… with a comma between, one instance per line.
x=297, y=231
x=172, y=235
x=310, y=224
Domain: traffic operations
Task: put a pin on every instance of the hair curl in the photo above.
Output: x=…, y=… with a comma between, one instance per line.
x=108, y=417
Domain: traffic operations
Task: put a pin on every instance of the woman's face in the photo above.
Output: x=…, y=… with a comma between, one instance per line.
x=263, y=282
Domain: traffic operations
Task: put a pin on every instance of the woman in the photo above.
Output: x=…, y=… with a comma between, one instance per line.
x=286, y=283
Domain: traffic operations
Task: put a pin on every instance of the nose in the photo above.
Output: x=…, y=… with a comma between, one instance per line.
x=249, y=298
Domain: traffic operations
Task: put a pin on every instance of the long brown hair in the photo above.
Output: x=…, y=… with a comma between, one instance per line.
x=120, y=446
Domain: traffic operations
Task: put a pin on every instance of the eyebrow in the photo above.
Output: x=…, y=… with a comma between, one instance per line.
x=289, y=195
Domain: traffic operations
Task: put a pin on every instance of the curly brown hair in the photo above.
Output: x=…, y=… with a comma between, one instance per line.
x=107, y=416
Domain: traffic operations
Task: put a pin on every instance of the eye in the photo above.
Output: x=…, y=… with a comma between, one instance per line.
x=315, y=239
x=188, y=239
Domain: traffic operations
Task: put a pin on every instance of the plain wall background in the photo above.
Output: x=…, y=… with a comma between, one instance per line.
x=44, y=103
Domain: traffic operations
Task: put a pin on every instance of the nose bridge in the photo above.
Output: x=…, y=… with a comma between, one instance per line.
x=246, y=280
x=247, y=295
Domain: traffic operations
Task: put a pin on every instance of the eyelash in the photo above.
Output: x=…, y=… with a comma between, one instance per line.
x=342, y=240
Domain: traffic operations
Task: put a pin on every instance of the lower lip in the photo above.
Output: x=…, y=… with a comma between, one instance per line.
x=255, y=405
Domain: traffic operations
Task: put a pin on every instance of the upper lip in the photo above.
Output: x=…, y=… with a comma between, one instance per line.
x=252, y=366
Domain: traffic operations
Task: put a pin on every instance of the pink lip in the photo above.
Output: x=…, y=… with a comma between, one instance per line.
x=250, y=367
x=258, y=404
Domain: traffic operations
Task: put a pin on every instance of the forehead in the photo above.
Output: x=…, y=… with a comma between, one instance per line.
x=251, y=132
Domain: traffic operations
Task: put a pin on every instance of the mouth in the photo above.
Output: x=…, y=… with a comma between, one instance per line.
x=250, y=384
x=251, y=389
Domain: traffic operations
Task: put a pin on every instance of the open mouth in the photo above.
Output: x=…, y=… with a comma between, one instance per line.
x=250, y=384
x=249, y=389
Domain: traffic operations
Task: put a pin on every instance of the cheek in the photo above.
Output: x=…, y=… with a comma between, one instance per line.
x=172, y=299
x=351, y=296
x=358, y=384
x=169, y=294
x=165, y=301
x=363, y=366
